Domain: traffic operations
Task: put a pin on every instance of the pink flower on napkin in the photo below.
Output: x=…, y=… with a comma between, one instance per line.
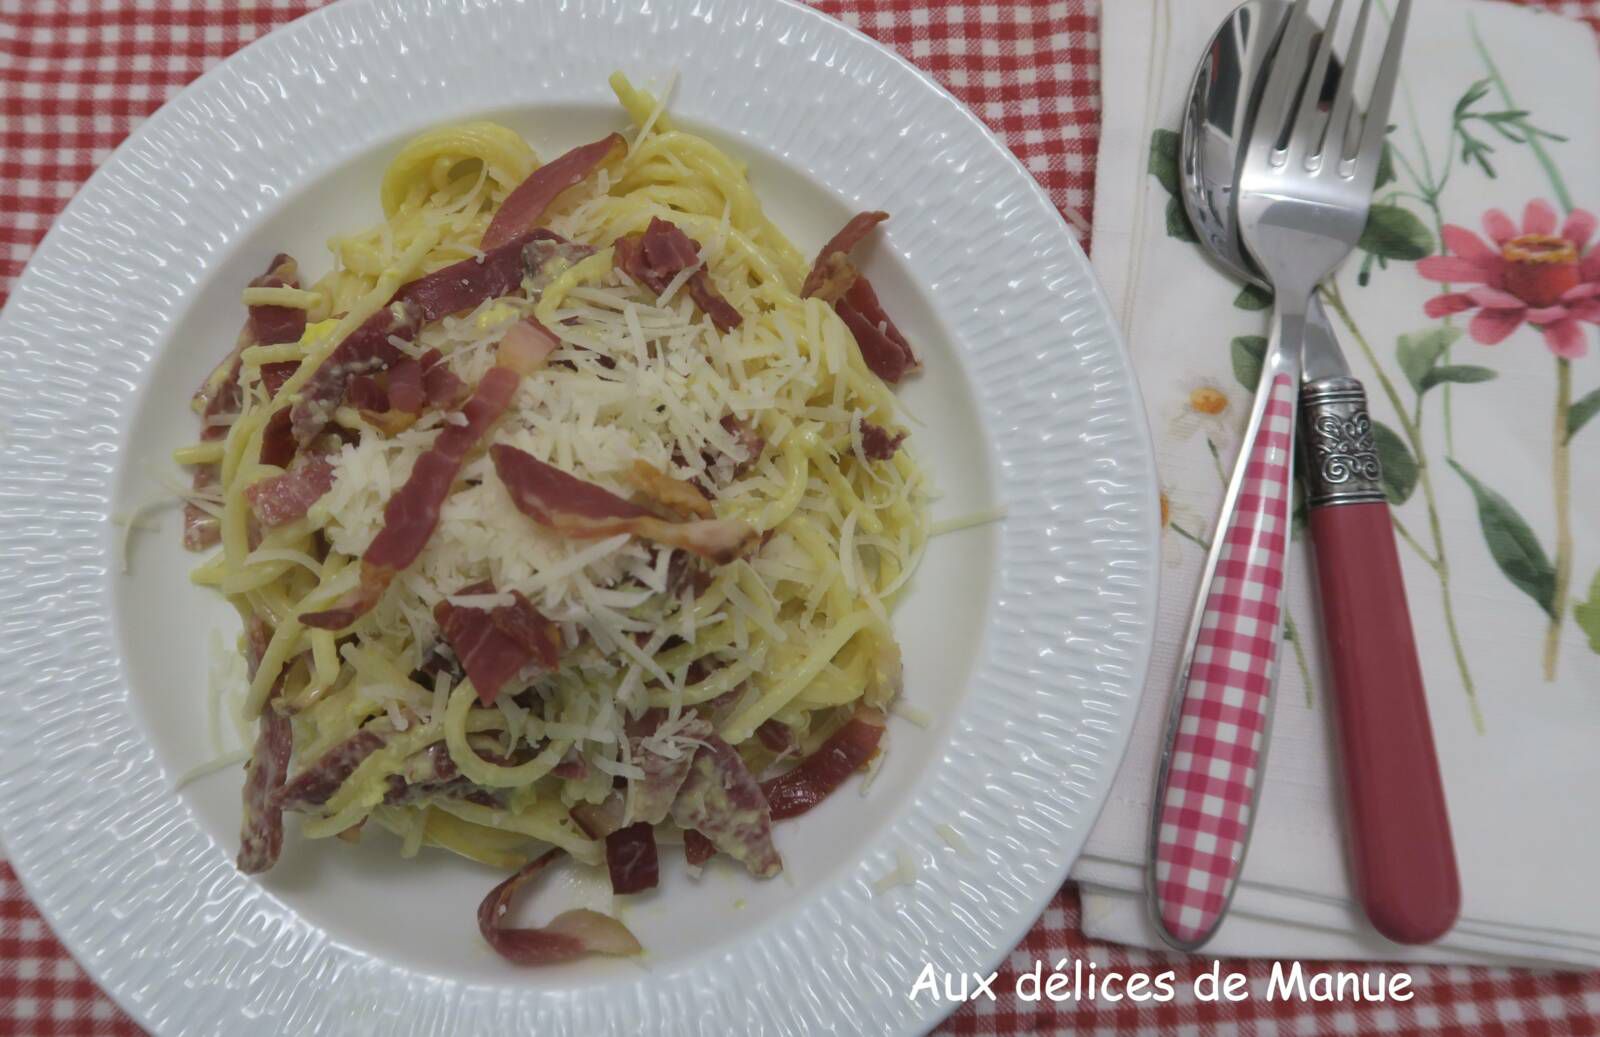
x=1535, y=274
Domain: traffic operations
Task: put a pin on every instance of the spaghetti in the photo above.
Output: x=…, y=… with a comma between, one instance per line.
x=570, y=500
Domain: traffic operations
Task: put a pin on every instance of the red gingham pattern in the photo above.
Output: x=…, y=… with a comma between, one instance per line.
x=1209, y=786
x=76, y=77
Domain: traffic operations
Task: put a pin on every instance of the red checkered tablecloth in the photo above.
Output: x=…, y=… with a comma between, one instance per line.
x=77, y=76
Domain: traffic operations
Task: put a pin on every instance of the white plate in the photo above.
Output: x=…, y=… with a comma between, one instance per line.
x=1025, y=641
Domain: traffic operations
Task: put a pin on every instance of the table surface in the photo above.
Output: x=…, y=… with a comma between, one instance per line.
x=76, y=76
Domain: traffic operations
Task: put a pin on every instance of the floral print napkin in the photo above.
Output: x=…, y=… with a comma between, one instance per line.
x=1471, y=310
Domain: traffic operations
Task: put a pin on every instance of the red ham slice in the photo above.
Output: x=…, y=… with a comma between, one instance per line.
x=575, y=508
x=283, y=498
x=495, y=644
x=661, y=253
x=461, y=286
x=567, y=937
x=722, y=801
x=835, y=279
x=650, y=799
x=524, y=206
x=412, y=513
x=365, y=350
x=444, y=389
x=261, y=831
x=631, y=859
x=313, y=786
x=846, y=751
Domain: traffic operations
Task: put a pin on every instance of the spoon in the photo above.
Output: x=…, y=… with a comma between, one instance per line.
x=1397, y=826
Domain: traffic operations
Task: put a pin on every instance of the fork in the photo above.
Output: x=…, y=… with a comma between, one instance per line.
x=1305, y=186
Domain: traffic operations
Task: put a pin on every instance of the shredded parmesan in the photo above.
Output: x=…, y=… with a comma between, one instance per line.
x=904, y=873
x=953, y=839
x=221, y=763
x=977, y=518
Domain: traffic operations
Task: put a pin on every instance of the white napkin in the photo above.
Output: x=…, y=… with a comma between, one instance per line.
x=1521, y=764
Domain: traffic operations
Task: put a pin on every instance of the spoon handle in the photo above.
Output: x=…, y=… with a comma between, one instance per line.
x=1217, y=729
x=1401, y=854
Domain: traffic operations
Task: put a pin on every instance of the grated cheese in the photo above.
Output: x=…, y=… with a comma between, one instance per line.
x=904, y=873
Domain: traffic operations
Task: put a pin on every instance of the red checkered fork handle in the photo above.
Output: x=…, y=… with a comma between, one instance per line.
x=1217, y=731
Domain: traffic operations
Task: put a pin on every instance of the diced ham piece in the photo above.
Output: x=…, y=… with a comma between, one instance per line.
x=525, y=206
x=722, y=801
x=575, y=508
x=405, y=386
x=661, y=253
x=546, y=256
x=631, y=859
x=494, y=645
x=277, y=440
x=878, y=443
x=412, y=513
x=462, y=286
x=366, y=393
x=846, y=751
x=777, y=736
x=313, y=786
x=283, y=498
x=261, y=831
x=443, y=388
x=834, y=279
x=568, y=936
x=697, y=849
x=270, y=325
x=365, y=350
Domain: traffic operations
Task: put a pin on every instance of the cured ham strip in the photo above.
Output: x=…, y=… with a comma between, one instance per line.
x=878, y=443
x=412, y=513
x=650, y=799
x=722, y=801
x=631, y=859
x=461, y=286
x=365, y=350
x=886, y=352
x=221, y=396
x=846, y=751
x=277, y=440
x=525, y=205
x=443, y=389
x=284, y=498
x=663, y=252
x=568, y=936
x=546, y=255
x=261, y=830
x=494, y=645
x=833, y=278
x=274, y=375
x=574, y=508
x=833, y=274
x=312, y=786
x=270, y=325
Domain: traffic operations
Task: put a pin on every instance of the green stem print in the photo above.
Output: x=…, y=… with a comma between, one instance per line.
x=1406, y=468
x=1561, y=478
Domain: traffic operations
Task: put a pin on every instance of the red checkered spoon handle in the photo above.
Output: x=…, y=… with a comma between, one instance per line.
x=1217, y=730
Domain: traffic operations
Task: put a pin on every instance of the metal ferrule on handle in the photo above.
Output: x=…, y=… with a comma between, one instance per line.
x=1341, y=455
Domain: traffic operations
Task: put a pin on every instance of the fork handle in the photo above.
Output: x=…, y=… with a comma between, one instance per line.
x=1398, y=829
x=1217, y=731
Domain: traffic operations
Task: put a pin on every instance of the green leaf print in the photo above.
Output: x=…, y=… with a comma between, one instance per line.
x=1461, y=374
x=1419, y=351
x=1249, y=353
x=1393, y=232
x=1587, y=406
x=1512, y=544
x=1587, y=614
x=1399, y=464
x=1251, y=297
x=1163, y=165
